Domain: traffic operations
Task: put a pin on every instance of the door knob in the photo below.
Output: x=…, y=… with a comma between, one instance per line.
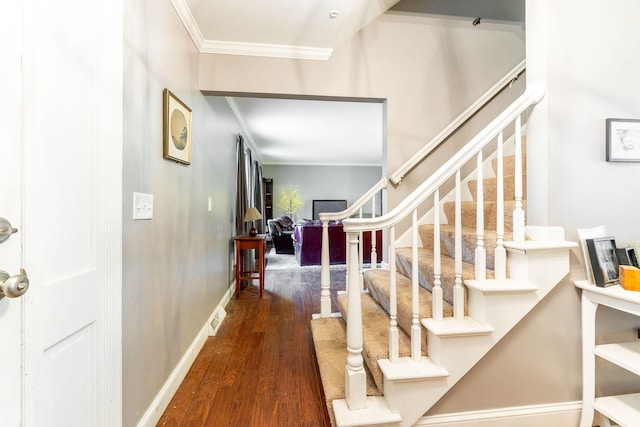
x=13, y=286
x=6, y=230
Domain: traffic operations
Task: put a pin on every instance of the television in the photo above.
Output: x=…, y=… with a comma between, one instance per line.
x=324, y=206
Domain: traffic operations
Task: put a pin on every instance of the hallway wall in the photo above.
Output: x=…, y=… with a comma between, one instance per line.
x=175, y=266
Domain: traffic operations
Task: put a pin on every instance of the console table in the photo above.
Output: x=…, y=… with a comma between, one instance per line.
x=248, y=243
x=622, y=409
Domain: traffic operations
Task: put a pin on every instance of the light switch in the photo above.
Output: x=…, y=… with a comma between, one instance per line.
x=210, y=204
x=142, y=206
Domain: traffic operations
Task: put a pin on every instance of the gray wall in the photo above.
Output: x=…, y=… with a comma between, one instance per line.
x=175, y=266
x=429, y=69
x=323, y=182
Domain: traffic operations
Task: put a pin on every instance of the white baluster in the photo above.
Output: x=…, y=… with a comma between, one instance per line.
x=436, y=301
x=374, y=254
x=500, y=253
x=355, y=377
x=458, y=291
x=325, y=275
x=480, y=253
x=394, y=346
x=415, y=323
x=518, y=212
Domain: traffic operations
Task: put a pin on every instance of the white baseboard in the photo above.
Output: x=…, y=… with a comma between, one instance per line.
x=163, y=398
x=558, y=415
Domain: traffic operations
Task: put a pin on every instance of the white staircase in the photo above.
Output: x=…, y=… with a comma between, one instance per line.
x=469, y=288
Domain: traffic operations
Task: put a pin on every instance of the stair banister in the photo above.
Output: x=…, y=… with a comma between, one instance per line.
x=508, y=78
x=355, y=384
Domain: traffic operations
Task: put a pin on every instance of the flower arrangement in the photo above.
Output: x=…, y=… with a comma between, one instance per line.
x=290, y=200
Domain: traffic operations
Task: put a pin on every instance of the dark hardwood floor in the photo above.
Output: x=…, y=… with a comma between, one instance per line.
x=260, y=368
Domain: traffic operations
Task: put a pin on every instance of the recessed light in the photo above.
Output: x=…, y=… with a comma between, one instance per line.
x=333, y=14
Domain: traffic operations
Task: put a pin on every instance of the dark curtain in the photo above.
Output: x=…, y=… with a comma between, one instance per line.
x=243, y=185
x=258, y=195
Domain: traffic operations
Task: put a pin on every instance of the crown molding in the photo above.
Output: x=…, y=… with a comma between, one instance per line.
x=189, y=22
x=269, y=50
x=240, y=48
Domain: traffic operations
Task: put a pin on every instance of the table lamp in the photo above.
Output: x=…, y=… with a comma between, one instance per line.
x=252, y=215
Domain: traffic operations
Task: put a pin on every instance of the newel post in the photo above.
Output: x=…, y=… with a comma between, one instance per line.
x=325, y=277
x=355, y=378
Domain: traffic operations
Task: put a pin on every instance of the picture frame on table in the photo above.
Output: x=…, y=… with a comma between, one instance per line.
x=176, y=129
x=604, y=260
x=623, y=140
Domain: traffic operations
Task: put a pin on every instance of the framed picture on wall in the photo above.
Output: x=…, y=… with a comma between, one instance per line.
x=176, y=129
x=623, y=140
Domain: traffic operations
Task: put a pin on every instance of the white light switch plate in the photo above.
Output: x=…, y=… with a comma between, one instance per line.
x=142, y=206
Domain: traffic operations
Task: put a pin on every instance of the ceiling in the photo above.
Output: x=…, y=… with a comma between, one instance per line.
x=310, y=132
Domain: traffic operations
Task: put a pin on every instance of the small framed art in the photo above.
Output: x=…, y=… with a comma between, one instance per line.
x=176, y=129
x=604, y=260
x=623, y=140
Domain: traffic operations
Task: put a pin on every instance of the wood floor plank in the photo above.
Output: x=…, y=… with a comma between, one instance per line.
x=260, y=368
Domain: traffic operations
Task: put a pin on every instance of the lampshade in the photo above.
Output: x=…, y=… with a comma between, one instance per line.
x=252, y=214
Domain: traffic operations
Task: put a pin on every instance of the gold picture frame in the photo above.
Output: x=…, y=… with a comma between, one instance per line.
x=176, y=129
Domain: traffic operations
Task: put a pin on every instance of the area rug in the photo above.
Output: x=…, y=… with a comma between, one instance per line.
x=289, y=262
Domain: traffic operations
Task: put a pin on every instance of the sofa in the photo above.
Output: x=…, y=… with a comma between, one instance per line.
x=307, y=243
x=281, y=231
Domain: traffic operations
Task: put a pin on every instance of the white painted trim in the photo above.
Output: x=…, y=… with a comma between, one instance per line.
x=239, y=48
x=268, y=50
x=168, y=390
x=555, y=414
x=189, y=21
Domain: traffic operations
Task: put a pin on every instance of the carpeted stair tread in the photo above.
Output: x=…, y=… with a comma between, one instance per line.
x=469, y=242
x=375, y=334
x=378, y=282
x=490, y=190
x=509, y=163
x=469, y=214
x=330, y=342
x=425, y=271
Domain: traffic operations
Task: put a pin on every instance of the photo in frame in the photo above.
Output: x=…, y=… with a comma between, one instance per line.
x=604, y=260
x=176, y=129
x=623, y=140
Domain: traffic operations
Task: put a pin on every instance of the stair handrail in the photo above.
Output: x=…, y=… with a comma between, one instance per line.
x=530, y=97
x=505, y=81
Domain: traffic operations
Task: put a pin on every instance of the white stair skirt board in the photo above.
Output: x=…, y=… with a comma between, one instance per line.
x=164, y=396
x=558, y=415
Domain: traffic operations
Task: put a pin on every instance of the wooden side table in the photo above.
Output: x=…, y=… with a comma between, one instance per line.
x=247, y=243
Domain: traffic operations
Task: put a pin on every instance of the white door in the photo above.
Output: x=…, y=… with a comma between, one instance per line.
x=10, y=183
x=67, y=194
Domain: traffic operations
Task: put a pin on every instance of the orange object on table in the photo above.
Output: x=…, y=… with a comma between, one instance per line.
x=249, y=243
